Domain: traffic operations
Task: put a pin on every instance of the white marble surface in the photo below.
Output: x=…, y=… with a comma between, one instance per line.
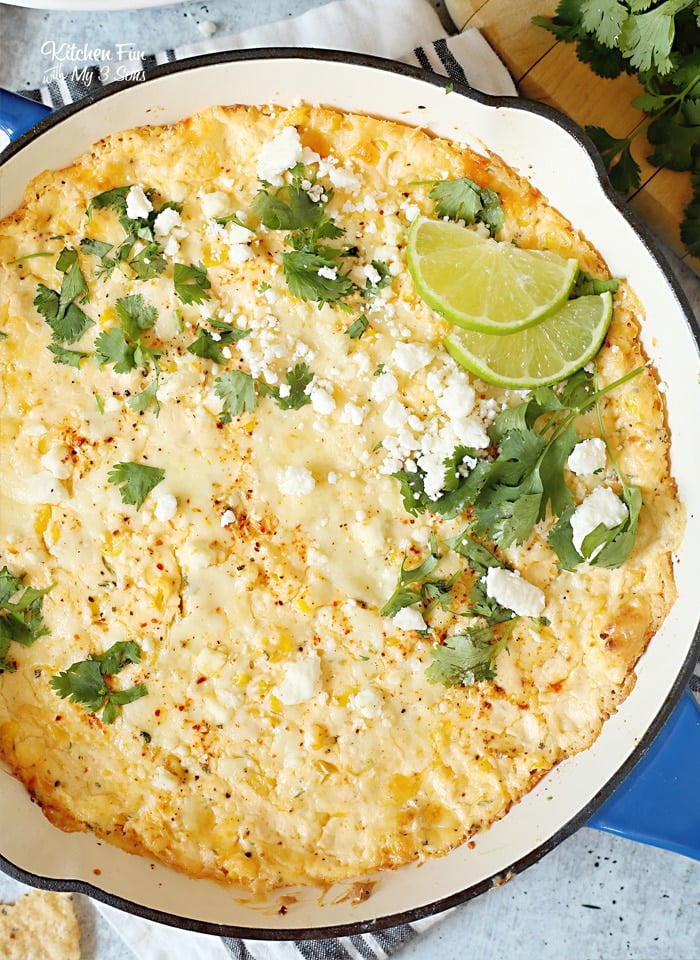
x=595, y=897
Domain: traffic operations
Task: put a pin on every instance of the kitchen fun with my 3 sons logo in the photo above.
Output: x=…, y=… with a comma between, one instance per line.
x=81, y=63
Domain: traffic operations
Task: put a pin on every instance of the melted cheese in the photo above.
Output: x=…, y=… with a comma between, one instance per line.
x=271, y=746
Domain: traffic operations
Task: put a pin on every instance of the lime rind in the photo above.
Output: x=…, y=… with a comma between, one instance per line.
x=542, y=354
x=482, y=284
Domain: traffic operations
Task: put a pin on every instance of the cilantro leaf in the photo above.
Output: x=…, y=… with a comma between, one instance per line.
x=67, y=320
x=625, y=172
x=135, y=315
x=585, y=285
x=208, y=344
x=71, y=358
x=21, y=618
x=149, y=262
x=111, y=346
x=646, y=39
x=316, y=278
x=237, y=389
x=405, y=595
x=289, y=208
x=191, y=282
x=658, y=41
x=146, y=398
x=297, y=379
x=125, y=349
x=84, y=682
x=114, y=198
x=690, y=225
x=463, y=199
x=374, y=284
x=466, y=658
x=358, y=327
x=73, y=286
x=136, y=480
x=605, y=20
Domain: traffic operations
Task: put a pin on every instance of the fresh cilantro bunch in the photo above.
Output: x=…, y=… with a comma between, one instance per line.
x=315, y=268
x=85, y=682
x=20, y=615
x=509, y=492
x=659, y=42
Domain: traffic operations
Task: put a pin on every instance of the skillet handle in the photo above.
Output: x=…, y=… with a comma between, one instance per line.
x=659, y=802
x=18, y=114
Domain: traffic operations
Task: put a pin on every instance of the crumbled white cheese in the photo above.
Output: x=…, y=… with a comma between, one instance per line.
x=411, y=211
x=165, y=221
x=295, y=481
x=235, y=233
x=57, y=461
x=340, y=177
x=384, y=385
x=510, y=590
x=411, y=357
x=280, y=154
x=328, y=273
x=395, y=415
x=321, y=400
x=239, y=253
x=409, y=618
x=588, y=457
x=166, y=507
x=351, y=413
x=227, y=518
x=457, y=400
x=602, y=505
x=367, y=702
x=138, y=206
x=301, y=682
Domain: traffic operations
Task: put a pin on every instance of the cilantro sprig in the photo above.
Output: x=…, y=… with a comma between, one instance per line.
x=21, y=619
x=240, y=391
x=209, y=344
x=135, y=481
x=463, y=199
x=659, y=42
x=468, y=657
x=192, y=284
x=139, y=248
x=124, y=348
x=60, y=309
x=315, y=268
x=85, y=682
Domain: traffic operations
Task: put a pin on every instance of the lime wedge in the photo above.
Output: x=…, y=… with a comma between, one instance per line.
x=546, y=353
x=483, y=284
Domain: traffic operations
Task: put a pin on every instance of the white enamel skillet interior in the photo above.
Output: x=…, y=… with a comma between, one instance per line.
x=556, y=157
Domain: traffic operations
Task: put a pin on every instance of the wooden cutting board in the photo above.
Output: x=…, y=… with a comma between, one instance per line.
x=548, y=70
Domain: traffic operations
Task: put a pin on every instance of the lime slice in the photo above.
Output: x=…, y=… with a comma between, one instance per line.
x=546, y=353
x=483, y=284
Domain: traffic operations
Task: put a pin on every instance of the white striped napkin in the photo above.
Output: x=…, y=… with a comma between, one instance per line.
x=397, y=30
